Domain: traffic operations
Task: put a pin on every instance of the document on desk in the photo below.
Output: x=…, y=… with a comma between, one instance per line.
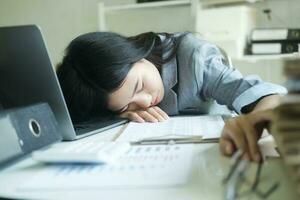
x=141, y=166
x=208, y=126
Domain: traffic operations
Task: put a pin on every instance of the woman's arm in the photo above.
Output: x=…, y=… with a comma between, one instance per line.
x=268, y=102
x=244, y=131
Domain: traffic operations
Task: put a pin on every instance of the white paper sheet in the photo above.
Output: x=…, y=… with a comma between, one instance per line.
x=206, y=126
x=141, y=166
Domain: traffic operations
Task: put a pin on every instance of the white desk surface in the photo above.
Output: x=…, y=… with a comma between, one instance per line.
x=208, y=170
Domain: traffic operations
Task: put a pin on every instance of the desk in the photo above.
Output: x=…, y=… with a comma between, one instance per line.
x=208, y=169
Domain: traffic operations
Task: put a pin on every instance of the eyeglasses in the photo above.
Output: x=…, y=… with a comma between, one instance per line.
x=236, y=178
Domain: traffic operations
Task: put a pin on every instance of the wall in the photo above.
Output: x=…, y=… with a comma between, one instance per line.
x=285, y=13
x=60, y=20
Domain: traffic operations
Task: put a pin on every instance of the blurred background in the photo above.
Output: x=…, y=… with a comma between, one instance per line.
x=228, y=23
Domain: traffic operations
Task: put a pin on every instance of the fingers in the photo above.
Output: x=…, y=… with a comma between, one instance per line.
x=161, y=112
x=233, y=130
x=132, y=116
x=152, y=114
x=158, y=113
x=147, y=116
x=252, y=137
x=243, y=133
x=226, y=146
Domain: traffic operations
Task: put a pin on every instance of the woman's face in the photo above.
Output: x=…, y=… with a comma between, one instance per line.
x=142, y=88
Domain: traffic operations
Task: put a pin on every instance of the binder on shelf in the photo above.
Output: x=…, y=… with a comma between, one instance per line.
x=277, y=34
x=274, y=48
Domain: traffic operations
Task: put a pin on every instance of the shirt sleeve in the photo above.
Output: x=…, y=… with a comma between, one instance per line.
x=225, y=84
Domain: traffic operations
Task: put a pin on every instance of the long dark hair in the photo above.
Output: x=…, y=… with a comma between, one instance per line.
x=95, y=64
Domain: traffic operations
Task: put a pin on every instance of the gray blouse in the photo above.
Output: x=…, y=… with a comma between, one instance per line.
x=197, y=81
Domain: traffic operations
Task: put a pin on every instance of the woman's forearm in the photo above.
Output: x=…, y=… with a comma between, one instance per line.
x=268, y=102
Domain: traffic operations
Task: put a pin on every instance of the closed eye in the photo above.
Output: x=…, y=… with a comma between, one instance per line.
x=139, y=89
x=122, y=109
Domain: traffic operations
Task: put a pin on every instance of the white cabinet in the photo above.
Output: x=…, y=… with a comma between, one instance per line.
x=227, y=27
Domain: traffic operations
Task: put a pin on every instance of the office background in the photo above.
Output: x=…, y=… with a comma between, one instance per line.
x=62, y=20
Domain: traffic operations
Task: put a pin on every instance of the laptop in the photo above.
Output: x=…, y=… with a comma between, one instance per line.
x=28, y=77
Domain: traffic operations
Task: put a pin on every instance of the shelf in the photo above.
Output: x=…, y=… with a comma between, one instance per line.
x=175, y=3
x=254, y=58
x=224, y=2
x=149, y=5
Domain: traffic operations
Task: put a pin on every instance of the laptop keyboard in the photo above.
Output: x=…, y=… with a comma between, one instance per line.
x=79, y=127
x=85, y=127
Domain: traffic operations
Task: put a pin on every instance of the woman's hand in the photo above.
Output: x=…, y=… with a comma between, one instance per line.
x=243, y=132
x=151, y=114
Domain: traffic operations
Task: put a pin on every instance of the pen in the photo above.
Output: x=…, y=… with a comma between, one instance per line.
x=171, y=141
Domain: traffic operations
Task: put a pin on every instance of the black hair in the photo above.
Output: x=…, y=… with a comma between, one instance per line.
x=95, y=64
